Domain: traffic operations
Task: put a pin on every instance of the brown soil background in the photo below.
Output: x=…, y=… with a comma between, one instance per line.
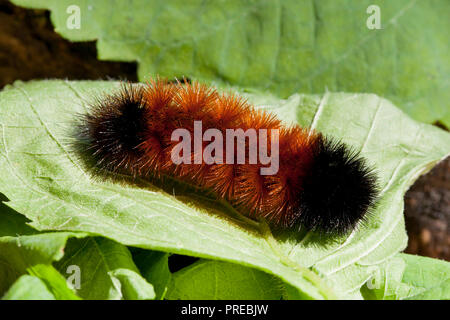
x=30, y=49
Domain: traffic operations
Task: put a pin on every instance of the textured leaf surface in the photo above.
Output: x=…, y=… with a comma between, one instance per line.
x=283, y=46
x=431, y=277
x=386, y=282
x=47, y=183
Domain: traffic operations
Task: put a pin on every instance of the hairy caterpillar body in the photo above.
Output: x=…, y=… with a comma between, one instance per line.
x=320, y=183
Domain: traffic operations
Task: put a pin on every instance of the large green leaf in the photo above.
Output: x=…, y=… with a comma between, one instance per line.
x=209, y=280
x=46, y=182
x=283, y=46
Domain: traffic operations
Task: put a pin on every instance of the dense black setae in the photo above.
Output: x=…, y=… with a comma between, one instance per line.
x=107, y=138
x=338, y=190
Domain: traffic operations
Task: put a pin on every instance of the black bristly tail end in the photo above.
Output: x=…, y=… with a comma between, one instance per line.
x=338, y=191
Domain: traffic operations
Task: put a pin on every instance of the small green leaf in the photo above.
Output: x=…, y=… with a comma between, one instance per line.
x=215, y=280
x=132, y=285
x=28, y=288
x=430, y=277
x=386, y=281
x=54, y=281
x=107, y=270
x=154, y=268
x=406, y=276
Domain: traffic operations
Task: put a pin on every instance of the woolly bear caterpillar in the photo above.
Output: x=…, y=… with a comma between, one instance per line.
x=319, y=183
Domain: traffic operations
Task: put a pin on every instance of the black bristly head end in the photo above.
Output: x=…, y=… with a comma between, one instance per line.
x=338, y=190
